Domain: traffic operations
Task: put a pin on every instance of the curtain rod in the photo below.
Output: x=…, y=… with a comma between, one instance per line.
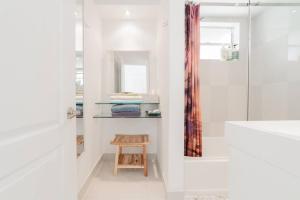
x=241, y=4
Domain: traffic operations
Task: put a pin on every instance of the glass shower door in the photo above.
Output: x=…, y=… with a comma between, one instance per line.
x=274, y=71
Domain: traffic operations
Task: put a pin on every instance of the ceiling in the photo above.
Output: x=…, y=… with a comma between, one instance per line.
x=127, y=2
x=142, y=12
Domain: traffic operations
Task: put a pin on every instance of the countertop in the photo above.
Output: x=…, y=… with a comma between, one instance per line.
x=274, y=142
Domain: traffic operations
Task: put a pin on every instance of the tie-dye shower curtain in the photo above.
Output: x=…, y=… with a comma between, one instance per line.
x=193, y=123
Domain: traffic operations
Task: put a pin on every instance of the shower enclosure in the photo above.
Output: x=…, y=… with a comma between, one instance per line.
x=249, y=70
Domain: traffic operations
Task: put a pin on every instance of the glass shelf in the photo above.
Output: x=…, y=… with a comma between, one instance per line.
x=112, y=103
x=105, y=110
x=108, y=115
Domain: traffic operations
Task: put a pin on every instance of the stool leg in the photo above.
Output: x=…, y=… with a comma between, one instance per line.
x=145, y=160
x=121, y=150
x=116, y=161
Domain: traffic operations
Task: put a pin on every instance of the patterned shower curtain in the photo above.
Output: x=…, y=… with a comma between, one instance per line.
x=193, y=123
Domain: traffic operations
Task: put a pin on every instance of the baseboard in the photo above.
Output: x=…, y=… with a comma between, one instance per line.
x=88, y=178
x=164, y=179
x=163, y=176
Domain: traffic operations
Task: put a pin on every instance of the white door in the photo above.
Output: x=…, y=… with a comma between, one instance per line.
x=37, y=141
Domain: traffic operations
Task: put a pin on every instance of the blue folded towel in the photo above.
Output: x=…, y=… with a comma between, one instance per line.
x=125, y=108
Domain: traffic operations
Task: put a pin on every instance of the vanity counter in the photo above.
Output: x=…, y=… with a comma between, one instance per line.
x=265, y=161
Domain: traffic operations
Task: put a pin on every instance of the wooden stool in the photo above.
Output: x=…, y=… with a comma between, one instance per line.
x=131, y=160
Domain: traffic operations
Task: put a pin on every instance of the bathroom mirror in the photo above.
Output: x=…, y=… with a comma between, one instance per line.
x=79, y=76
x=131, y=71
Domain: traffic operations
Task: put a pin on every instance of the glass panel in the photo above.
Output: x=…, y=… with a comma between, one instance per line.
x=275, y=62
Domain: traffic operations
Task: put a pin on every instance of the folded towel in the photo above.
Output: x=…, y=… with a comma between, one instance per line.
x=125, y=108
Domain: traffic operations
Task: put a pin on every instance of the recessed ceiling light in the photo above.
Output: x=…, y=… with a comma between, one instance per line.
x=294, y=11
x=127, y=13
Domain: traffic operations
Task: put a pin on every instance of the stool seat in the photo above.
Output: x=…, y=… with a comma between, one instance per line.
x=128, y=140
x=131, y=160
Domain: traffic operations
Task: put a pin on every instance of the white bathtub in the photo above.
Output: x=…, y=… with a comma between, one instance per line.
x=208, y=174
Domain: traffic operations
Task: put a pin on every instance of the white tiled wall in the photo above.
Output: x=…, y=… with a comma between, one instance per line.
x=275, y=68
x=223, y=87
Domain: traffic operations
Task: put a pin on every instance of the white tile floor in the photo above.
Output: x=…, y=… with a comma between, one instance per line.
x=130, y=184
x=207, y=197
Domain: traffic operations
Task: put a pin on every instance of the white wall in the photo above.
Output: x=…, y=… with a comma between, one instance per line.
x=163, y=84
x=224, y=86
x=92, y=64
x=127, y=35
x=176, y=96
x=275, y=61
x=79, y=35
x=171, y=91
